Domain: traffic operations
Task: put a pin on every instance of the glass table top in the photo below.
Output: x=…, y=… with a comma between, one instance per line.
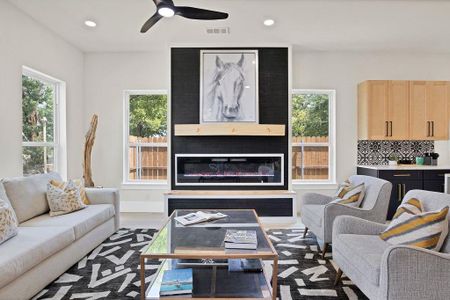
x=207, y=239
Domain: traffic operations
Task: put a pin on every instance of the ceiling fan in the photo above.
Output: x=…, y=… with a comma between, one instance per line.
x=167, y=9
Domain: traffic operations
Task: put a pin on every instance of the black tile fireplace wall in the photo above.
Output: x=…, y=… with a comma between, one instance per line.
x=273, y=109
x=377, y=152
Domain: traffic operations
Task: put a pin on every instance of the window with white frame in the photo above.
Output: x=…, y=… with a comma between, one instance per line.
x=42, y=134
x=145, y=136
x=313, y=128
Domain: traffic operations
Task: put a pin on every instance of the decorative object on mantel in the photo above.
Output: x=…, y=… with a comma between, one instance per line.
x=228, y=86
x=89, y=143
x=378, y=152
x=230, y=129
x=166, y=8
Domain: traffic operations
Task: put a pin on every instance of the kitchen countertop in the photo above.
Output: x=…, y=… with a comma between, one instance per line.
x=405, y=167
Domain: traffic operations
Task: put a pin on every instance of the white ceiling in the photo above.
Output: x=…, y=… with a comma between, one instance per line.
x=327, y=25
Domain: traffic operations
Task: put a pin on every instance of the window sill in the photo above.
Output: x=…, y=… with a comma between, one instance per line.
x=314, y=185
x=155, y=185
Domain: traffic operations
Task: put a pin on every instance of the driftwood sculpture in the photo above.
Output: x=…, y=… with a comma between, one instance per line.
x=88, y=144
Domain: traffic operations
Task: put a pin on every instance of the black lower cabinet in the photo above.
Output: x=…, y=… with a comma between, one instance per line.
x=406, y=180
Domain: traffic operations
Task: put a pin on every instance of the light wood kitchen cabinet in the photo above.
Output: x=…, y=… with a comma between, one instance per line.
x=383, y=110
x=399, y=110
x=429, y=110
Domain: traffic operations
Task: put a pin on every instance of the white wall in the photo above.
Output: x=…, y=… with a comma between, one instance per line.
x=107, y=76
x=25, y=42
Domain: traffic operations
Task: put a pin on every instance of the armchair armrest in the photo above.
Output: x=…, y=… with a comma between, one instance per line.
x=316, y=199
x=354, y=225
x=106, y=196
x=333, y=210
x=414, y=273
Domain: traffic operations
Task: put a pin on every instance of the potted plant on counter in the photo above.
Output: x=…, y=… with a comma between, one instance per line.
x=393, y=159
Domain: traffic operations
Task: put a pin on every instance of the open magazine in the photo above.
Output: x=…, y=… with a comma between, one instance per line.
x=199, y=217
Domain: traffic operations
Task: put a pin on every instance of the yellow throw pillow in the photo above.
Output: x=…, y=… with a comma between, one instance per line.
x=350, y=195
x=78, y=183
x=412, y=206
x=426, y=230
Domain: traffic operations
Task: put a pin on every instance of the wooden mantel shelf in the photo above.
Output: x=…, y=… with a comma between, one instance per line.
x=230, y=129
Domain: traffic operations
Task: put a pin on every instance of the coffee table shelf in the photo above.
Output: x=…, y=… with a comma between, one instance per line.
x=175, y=242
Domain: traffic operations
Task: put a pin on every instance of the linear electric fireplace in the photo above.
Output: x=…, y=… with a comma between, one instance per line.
x=229, y=169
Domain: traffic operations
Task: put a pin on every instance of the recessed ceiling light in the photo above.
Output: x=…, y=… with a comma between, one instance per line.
x=90, y=23
x=166, y=12
x=269, y=22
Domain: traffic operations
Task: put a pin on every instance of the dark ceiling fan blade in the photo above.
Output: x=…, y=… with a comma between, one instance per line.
x=150, y=22
x=199, y=14
x=158, y=2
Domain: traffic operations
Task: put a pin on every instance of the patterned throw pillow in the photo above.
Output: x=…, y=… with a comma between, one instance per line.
x=413, y=206
x=80, y=186
x=427, y=230
x=8, y=221
x=350, y=195
x=64, y=200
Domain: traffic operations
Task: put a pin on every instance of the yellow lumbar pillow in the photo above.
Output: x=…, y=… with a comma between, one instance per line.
x=426, y=230
x=412, y=206
x=78, y=183
x=349, y=194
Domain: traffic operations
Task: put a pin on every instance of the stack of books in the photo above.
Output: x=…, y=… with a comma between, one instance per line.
x=241, y=239
x=176, y=282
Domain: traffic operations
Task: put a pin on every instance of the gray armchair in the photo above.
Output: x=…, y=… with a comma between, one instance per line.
x=318, y=214
x=384, y=271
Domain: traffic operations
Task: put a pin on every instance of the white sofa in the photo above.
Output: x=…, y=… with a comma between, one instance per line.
x=45, y=246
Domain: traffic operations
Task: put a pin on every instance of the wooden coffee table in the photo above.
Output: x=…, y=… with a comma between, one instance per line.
x=201, y=248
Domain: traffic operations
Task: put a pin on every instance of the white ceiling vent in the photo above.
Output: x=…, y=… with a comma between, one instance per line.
x=218, y=30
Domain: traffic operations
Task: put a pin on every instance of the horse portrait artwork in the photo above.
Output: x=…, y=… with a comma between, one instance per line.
x=229, y=87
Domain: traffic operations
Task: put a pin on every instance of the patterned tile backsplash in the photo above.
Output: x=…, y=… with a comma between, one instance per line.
x=377, y=152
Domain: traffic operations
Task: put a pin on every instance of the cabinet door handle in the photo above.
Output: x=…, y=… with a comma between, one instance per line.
x=428, y=128
x=387, y=129
x=399, y=194
x=390, y=123
x=432, y=128
x=402, y=175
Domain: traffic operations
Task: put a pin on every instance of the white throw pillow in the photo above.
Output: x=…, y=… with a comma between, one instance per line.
x=64, y=200
x=8, y=221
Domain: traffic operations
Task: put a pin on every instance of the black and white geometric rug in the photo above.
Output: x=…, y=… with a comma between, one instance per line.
x=111, y=271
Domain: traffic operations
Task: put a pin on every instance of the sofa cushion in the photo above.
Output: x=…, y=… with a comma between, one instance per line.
x=81, y=221
x=364, y=251
x=28, y=194
x=31, y=246
x=314, y=213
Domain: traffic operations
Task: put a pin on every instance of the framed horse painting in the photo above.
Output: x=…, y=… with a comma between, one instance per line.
x=228, y=86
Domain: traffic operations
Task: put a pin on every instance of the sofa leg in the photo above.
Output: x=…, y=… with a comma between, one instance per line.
x=338, y=276
x=324, y=250
x=306, y=231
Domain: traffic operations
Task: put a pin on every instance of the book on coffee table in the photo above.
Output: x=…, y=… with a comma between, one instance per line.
x=176, y=282
x=241, y=239
x=199, y=217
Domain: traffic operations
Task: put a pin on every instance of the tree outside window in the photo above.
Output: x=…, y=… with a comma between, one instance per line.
x=147, y=136
x=38, y=126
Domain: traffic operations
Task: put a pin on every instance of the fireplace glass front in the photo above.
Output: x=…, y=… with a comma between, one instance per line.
x=229, y=169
